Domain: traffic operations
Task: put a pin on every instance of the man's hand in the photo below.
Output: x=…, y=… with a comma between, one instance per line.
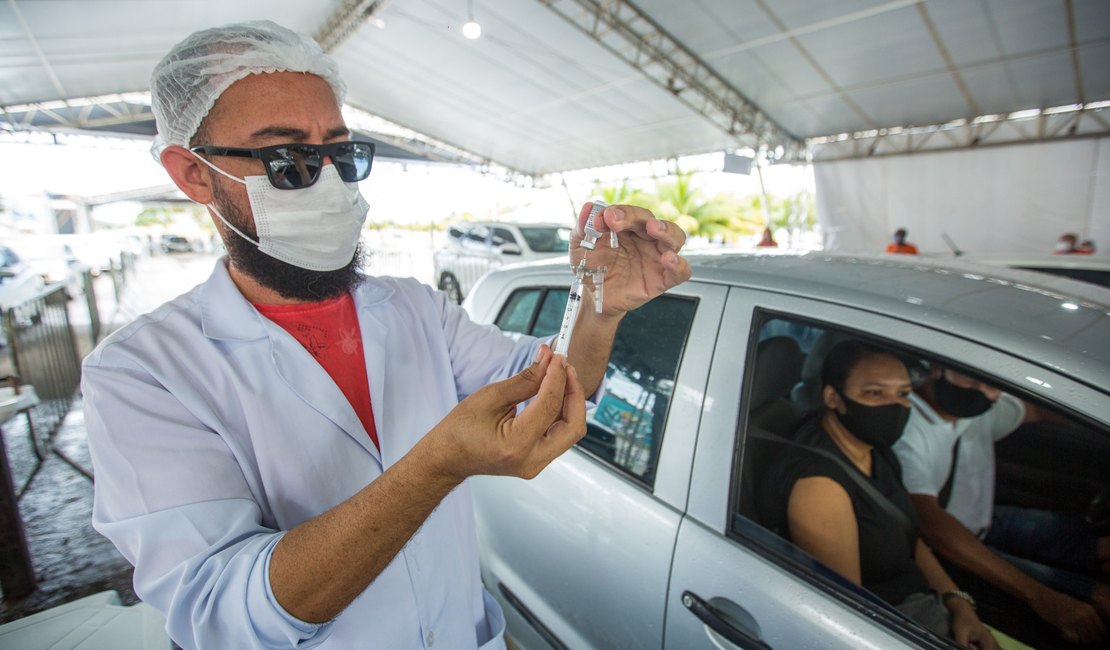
x=484, y=435
x=967, y=630
x=645, y=265
x=1077, y=621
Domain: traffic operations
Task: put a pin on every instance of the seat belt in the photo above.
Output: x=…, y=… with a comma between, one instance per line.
x=884, y=503
x=946, y=489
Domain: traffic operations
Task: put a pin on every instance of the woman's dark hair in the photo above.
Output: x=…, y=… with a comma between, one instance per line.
x=845, y=356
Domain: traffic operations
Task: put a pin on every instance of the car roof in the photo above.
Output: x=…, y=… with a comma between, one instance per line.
x=1051, y=321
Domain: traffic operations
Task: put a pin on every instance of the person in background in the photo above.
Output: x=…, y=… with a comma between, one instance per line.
x=283, y=453
x=768, y=240
x=1045, y=559
x=814, y=494
x=1069, y=244
x=900, y=245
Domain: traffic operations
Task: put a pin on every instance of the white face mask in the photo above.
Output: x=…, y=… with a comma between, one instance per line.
x=315, y=228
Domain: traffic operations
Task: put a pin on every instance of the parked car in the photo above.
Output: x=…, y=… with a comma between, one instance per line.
x=175, y=244
x=645, y=535
x=53, y=260
x=472, y=249
x=98, y=251
x=19, y=283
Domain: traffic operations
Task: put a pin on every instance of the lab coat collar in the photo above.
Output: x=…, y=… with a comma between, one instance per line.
x=226, y=315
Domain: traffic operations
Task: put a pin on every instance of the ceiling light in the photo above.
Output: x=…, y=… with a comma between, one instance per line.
x=471, y=29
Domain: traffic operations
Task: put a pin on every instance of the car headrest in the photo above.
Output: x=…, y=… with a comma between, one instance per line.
x=778, y=363
x=807, y=394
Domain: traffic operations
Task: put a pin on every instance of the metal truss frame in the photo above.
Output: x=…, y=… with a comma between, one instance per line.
x=346, y=20
x=82, y=113
x=628, y=32
x=1090, y=120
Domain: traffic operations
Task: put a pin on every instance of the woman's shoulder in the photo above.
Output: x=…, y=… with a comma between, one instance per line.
x=808, y=457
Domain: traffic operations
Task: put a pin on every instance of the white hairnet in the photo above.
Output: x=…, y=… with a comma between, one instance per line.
x=187, y=82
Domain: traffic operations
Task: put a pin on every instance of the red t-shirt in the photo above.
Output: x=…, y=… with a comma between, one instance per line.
x=329, y=331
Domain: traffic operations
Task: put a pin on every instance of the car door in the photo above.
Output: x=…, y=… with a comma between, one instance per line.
x=580, y=556
x=736, y=584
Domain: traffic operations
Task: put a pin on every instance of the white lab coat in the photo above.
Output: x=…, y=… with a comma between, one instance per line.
x=212, y=431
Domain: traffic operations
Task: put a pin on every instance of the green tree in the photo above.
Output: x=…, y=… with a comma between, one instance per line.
x=797, y=212
x=721, y=217
x=154, y=216
x=617, y=194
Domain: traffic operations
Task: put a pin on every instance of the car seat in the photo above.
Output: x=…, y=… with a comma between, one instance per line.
x=778, y=364
x=806, y=394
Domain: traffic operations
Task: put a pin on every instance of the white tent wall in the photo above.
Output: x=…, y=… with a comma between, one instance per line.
x=991, y=201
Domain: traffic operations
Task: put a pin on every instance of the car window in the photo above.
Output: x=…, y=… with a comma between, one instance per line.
x=1058, y=464
x=517, y=314
x=8, y=256
x=626, y=428
x=475, y=238
x=546, y=239
x=503, y=236
x=1094, y=276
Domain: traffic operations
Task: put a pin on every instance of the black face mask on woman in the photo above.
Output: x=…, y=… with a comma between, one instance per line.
x=958, y=401
x=878, y=426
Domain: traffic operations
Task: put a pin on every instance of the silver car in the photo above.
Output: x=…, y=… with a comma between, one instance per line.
x=472, y=249
x=645, y=534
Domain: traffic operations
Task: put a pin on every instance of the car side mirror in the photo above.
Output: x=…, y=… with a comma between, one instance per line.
x=510, y=249
x=8, y=273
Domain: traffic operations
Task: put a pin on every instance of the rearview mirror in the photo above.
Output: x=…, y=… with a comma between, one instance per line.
x=510, y=249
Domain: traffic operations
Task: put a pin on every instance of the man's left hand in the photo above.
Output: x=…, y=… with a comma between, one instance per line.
x=645, y=265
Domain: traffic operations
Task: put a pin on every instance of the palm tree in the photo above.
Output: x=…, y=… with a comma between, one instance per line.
x=721, y=217
x=617, y=194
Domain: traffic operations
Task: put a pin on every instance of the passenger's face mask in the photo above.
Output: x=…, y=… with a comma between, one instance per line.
x=958, y=401
x=878, y=426
x=315, y=228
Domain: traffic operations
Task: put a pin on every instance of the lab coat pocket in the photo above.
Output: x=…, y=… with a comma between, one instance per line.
x=494, y=625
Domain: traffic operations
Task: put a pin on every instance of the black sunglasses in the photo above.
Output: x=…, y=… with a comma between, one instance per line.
x=296, y=166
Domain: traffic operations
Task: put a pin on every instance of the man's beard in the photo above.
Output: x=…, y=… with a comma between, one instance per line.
x=288, y=281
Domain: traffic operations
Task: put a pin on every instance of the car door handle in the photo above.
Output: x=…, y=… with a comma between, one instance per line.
x=711, y=617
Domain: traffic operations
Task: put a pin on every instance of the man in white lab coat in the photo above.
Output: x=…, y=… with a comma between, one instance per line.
x=283, y=451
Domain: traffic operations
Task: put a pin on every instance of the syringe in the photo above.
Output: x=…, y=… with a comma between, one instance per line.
x=574, y=301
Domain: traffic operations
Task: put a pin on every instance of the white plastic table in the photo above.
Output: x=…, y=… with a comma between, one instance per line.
x=96, y=622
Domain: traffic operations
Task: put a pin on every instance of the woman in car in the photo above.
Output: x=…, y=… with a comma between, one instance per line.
x=838, y=494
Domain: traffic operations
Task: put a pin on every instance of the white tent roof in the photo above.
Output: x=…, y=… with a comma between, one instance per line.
x=539, y=93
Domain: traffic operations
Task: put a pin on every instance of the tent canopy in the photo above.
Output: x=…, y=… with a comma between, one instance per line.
x=555, y=85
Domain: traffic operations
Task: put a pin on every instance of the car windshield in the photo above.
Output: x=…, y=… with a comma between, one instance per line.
x=551, y=239
x=1094, y=276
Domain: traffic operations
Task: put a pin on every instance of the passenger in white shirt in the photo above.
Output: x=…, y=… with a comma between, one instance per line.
x=273, y=486
x=1045, y=559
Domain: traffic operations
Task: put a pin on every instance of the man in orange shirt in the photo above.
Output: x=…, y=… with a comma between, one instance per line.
x=899, y=244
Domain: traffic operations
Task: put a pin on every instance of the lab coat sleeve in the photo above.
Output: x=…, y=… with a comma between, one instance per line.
x=481, y=354
x=172, y=497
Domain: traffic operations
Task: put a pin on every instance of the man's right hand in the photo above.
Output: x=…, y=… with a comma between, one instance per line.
x=1077, y=621
x=483, y=434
